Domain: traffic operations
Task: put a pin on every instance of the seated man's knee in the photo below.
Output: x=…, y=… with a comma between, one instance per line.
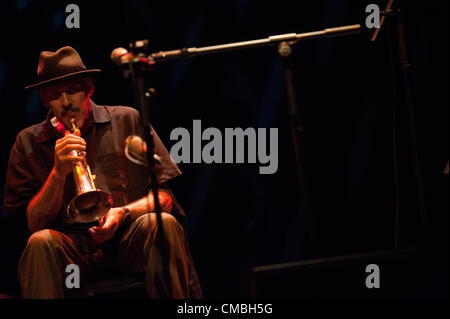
x=149, y=221
x=43, y=238
x=168, y=219
x=39, y=244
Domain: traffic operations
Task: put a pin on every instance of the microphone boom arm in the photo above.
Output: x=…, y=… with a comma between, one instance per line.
x=291, y=38
x=271, y=40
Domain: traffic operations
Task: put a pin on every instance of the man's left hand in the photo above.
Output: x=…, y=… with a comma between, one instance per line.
x=108, y=225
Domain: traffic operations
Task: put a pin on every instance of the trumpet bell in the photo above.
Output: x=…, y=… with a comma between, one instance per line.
x=88, y=207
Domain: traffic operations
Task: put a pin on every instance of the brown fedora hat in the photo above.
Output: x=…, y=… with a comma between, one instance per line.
x=62, y=64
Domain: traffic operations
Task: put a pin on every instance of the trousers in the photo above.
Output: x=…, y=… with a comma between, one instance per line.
x=48, y=252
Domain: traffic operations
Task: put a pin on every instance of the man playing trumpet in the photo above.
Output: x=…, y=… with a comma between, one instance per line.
x=40, y=187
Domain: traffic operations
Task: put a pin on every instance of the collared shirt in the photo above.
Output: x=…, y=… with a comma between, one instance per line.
x=32, y=159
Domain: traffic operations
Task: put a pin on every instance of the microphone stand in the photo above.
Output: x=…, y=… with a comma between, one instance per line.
x=275, y=40
x=401, y=77
x=297, y=130
x=143, y=96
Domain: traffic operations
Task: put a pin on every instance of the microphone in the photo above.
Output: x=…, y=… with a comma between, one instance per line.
x=119, y=55
x=135, y=150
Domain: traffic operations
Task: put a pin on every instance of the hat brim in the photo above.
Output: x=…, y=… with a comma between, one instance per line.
x=59, y=78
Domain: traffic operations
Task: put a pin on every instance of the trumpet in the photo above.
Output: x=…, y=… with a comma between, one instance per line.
x=89, y=204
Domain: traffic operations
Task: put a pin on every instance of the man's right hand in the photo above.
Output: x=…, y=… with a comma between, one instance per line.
x=63, y=152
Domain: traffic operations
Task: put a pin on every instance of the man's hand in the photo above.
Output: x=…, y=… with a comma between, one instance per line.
x=63, y=148
x=108, y=225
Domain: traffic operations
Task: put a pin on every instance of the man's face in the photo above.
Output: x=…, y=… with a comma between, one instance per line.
x=68, y=99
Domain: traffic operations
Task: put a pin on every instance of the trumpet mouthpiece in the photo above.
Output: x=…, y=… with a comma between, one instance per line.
x=72, y=125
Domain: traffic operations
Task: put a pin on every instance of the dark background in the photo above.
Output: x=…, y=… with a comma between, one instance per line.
x=238, y=219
